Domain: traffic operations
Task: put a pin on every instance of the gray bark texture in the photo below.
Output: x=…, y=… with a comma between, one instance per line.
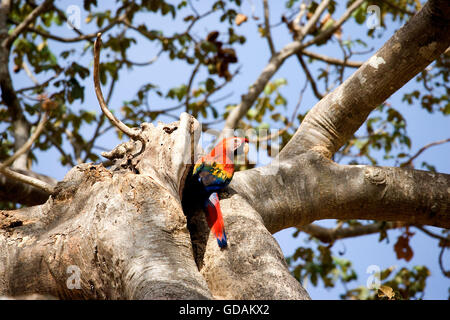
x=133, y=231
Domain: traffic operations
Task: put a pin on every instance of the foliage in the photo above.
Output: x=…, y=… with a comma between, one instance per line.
x=207, y=41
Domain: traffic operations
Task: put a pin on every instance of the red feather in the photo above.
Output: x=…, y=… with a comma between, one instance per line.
x=215, y=219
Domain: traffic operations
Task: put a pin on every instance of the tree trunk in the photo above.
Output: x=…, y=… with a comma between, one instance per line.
x=122, y=234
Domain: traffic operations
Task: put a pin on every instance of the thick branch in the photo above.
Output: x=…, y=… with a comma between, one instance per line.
x=336, y=117
x=126, y=232
x=27, y=145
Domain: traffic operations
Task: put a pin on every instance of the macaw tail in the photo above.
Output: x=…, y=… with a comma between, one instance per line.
x=215, y=219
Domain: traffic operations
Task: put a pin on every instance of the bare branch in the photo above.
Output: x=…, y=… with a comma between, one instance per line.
x=298, y=18
x=433, y=235
x=269, y=70
x=142, y=64
x=329, y=235
x=309, y=76
x=189, y=86
x=82, y=37
x=331, y=60
x=27, y=145
x=133, y=134
x=28, y=180
x=313, y=20
x=330, y=31
x=441, y=264
x=421, y=150
x=38, y=85
x=19, y=192
x=29, y=73
x=24, y=24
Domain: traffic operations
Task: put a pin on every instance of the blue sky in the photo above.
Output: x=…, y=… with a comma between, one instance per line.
x=422, y=127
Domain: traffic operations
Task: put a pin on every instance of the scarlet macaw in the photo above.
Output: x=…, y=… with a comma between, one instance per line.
x=214, y=172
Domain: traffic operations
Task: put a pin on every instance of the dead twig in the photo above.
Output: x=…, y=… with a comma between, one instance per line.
x=134, y=134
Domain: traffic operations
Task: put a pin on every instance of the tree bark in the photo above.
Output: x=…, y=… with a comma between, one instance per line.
x=125, y=231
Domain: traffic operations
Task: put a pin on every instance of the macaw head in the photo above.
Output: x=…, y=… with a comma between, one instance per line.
x=231, y=147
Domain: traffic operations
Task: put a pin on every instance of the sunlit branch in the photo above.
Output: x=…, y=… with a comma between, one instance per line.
x=329, y=235
x=25, y=23
x=331, y=60
x=27, y=145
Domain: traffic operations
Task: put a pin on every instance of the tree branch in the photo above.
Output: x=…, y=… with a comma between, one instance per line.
x=189, y=86
x=82, y=37
x=6, y=43
x=331, y=60
x=27, y=145
x=334, y=119
x=133, y=134
x=45, y=187
x=17, y=191
x=274, y=64
x=312, y=21
x=309, y=76
x=330, y=31
x=297, y=191
x=267, y=28
x=329, y=235
x=433, y=235
x=418, y=153
x=19, y=122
